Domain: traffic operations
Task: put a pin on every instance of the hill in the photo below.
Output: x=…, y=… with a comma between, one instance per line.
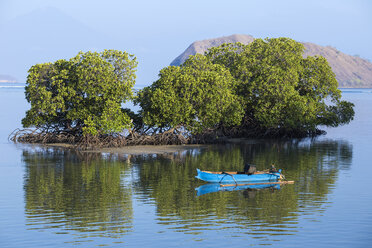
x=351, y=71
x=43, y=35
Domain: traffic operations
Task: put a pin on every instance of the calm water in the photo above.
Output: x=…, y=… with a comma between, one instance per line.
x=57, y=198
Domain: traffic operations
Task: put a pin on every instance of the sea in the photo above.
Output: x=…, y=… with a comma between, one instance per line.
x=53, y=197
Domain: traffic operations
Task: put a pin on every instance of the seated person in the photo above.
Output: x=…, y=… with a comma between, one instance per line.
x=249, y=169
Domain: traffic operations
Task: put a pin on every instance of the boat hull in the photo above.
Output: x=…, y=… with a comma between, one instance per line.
x=227, y=178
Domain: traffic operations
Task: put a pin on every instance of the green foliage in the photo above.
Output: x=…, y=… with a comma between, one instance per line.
x=264, y=88
x=281, y=90
x=343, y=112
x=82, y=95
x=197, y=96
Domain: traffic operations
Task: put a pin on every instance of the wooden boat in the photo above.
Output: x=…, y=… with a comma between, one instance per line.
x=238, y=177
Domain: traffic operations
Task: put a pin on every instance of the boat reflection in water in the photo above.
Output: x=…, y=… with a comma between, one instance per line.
x=216, y=187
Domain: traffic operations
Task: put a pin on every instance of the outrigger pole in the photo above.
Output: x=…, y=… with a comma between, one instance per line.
x=283, y=182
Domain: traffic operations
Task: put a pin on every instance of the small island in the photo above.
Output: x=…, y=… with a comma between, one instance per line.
x=263, y=89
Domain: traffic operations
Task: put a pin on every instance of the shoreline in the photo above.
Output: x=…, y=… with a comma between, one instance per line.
x=154, y=149
x=133, y=150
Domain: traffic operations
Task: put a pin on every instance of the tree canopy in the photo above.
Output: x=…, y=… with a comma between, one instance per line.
x=197, y=96
x=82, y=95
x=281, y=90
x=264, y=88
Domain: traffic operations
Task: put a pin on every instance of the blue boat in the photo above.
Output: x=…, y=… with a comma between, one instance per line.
x=238, y=177
x=216, y=187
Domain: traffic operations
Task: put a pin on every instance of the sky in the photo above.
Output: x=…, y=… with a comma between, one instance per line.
x=156, y=32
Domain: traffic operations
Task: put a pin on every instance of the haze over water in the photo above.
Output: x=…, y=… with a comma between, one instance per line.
x=58, y=198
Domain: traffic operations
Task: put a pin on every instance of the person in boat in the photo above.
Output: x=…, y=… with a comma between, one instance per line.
x=249, y=169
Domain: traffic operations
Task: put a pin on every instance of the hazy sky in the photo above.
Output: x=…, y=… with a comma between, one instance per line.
x=37, y=31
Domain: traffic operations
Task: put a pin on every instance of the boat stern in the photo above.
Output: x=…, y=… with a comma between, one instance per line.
x=198, y=175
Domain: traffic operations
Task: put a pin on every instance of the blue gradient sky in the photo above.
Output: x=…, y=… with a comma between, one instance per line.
x=36, y=31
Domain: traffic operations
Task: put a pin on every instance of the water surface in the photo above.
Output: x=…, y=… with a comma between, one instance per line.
x=61, y=198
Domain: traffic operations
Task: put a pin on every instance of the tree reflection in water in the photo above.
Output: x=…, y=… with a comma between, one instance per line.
x=82, y=193
x=92, y=194
x=313, y=165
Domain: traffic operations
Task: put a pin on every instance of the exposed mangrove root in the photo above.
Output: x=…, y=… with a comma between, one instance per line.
x=39, y=136
x=88, y=142
x=169, y=137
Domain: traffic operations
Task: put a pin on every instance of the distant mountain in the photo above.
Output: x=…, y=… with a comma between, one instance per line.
x=43, y=35
x=204, y=45
x=7, y=79
x=351, y=71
